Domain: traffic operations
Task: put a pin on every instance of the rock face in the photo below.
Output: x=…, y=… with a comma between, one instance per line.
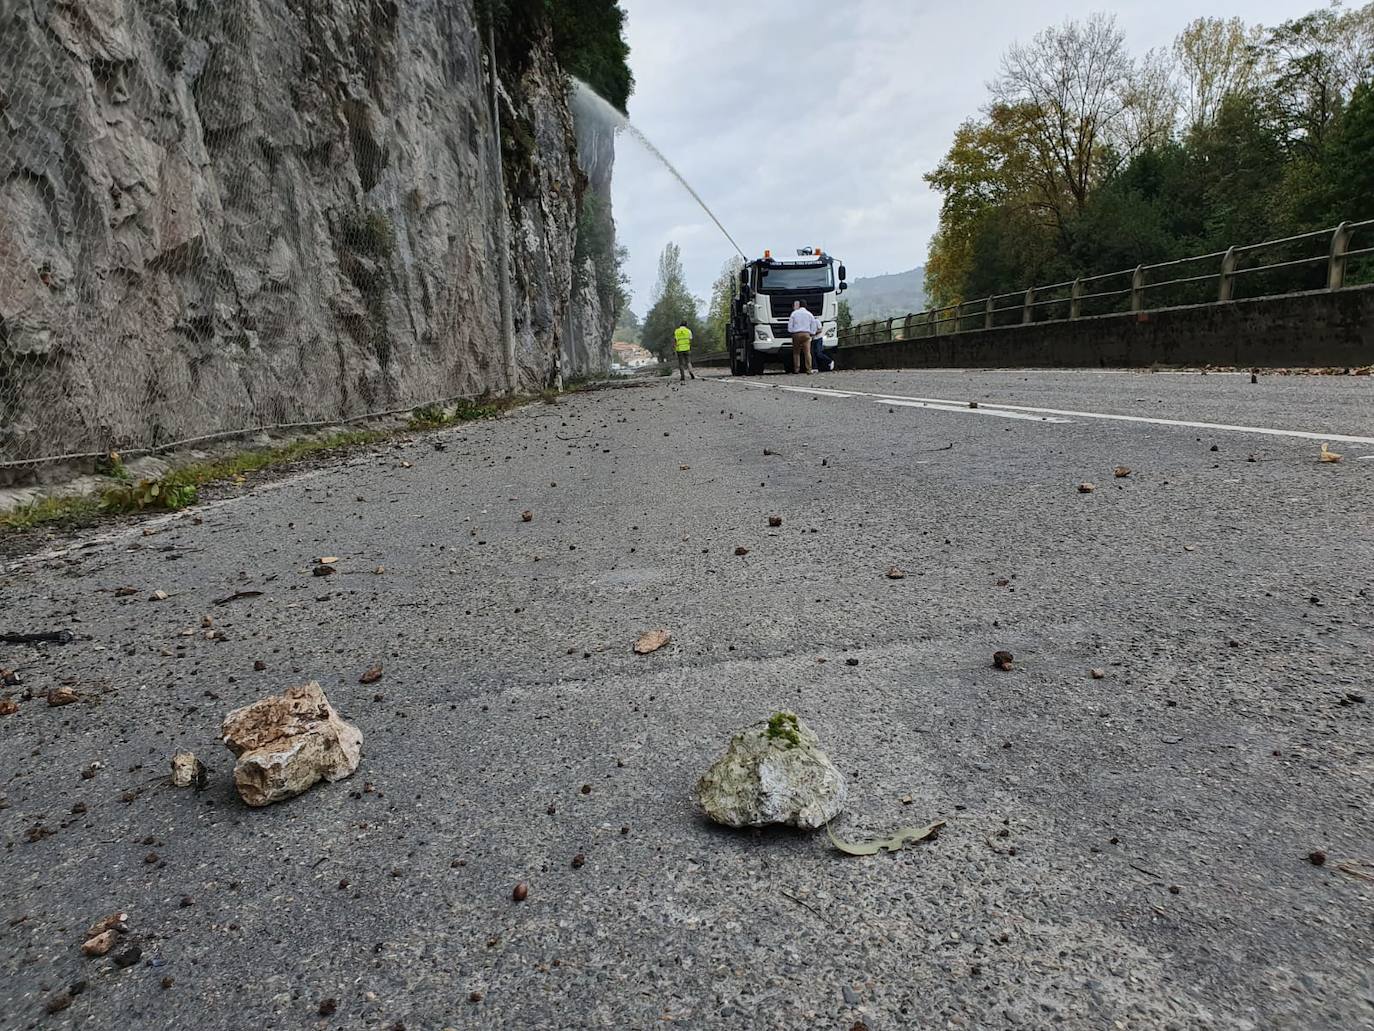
x=773, y=773
x=287, y=742
x=217, y=215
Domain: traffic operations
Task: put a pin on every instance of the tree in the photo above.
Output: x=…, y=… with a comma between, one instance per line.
x=990, y=172
x=627, y=326
x=1071, y=84
x=1151, y=105
x=1216, y=59
x=722, y=298
x=1315, y=63
x=844, y=315
x=673, y=305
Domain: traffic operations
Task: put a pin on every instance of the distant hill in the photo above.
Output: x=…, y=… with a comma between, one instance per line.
x=880, y=297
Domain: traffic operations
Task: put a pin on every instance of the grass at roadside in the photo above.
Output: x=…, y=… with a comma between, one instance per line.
x=181, y=487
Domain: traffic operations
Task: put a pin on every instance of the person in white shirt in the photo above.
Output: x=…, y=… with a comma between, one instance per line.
x=802, y=325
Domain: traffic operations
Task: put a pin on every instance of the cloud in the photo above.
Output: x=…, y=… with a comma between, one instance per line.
x=810, y=121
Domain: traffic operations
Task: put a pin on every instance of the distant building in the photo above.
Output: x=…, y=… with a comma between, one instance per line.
x=631, y=356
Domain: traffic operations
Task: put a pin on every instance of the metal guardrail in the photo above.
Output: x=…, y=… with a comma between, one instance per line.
x=1036, y=303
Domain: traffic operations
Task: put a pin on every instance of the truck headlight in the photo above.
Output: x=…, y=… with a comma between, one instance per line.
x=762, y=334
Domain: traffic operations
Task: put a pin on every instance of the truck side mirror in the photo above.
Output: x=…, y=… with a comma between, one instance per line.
x=843, y=274
x=843, y=286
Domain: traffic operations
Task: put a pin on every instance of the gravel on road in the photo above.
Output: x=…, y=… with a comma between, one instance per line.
x=1133, y=809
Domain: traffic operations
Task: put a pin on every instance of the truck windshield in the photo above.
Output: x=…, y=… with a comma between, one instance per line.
x=776, y=280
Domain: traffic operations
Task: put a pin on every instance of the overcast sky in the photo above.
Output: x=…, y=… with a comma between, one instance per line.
x=811, y=122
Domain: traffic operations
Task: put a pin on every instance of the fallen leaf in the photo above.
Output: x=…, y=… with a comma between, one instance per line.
x=323, y=571
x=327, y=560
x=1328, y=455
x=893, y=573
x=521, y=892
x=1086, y=488
x=684, y=468
x=125, y=592
x=8, y=706
x=774, y=520
x=1121, y=472
x=1003, y=659
x=741, y=551
x=62, y=696
x=1098, y=674
x=526, y=516
x=903, y=837
x=371, y=675
x=158, y=596
x=380, y=570
x=652, y=641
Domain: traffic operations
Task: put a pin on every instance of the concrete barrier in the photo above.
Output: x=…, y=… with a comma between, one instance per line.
x=1320, y=329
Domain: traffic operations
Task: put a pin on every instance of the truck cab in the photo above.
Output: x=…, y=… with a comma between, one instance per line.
x=767, y=287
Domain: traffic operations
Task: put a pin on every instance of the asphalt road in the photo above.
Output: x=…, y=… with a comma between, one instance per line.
x=1125, y=852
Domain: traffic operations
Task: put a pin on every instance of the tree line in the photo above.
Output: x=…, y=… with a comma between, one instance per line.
x=1088, y=160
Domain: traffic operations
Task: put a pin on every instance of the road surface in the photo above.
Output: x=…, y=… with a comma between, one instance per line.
x=1123, y=852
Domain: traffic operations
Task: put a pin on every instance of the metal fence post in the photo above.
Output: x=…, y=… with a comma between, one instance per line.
x=1028, y=315
x=1227, y=280
x=889, y=331
x=1076, y=299
x=932, y=317
x=1340, y=243
x=1138, y=289
x=988, y=313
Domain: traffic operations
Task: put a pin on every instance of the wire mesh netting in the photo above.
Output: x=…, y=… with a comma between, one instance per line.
x=219, y=216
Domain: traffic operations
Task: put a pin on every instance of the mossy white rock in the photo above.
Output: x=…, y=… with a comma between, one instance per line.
x=774, y=772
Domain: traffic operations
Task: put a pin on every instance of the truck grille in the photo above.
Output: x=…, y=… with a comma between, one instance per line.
x=782, y=306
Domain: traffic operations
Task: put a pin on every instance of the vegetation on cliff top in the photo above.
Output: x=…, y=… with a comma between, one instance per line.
x=588, y=39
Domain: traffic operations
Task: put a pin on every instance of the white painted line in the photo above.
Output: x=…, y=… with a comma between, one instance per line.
x=1159, y=422
x=1344, y=438
x=820, y=391
x=965, y=409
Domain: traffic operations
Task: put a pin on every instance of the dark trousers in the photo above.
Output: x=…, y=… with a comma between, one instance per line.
x=684, y=364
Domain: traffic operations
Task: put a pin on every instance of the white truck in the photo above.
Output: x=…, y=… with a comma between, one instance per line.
x=757, y=334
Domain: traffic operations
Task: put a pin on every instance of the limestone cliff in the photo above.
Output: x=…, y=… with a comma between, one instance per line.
x=222, y=214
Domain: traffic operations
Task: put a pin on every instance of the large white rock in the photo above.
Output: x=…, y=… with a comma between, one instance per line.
x=773, y=773
x=287, y=742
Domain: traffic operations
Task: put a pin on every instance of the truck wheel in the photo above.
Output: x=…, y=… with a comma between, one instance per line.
x=736, y=365
x=753, y=361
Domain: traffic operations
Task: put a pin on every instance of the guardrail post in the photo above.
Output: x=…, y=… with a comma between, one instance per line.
x=906, y=327
x=933, y=318
x=988, y=313
x=1227, y=280
x=889, y=331
x=1138, y=289
x=1028, y=315
x=1340, y=243
x=1076, y=299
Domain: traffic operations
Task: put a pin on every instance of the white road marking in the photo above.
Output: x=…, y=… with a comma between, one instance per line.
x=965, y=409
x=818, y=390
x=989, y=407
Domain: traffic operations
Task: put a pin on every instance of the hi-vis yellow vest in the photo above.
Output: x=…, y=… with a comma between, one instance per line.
x=683, y=336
